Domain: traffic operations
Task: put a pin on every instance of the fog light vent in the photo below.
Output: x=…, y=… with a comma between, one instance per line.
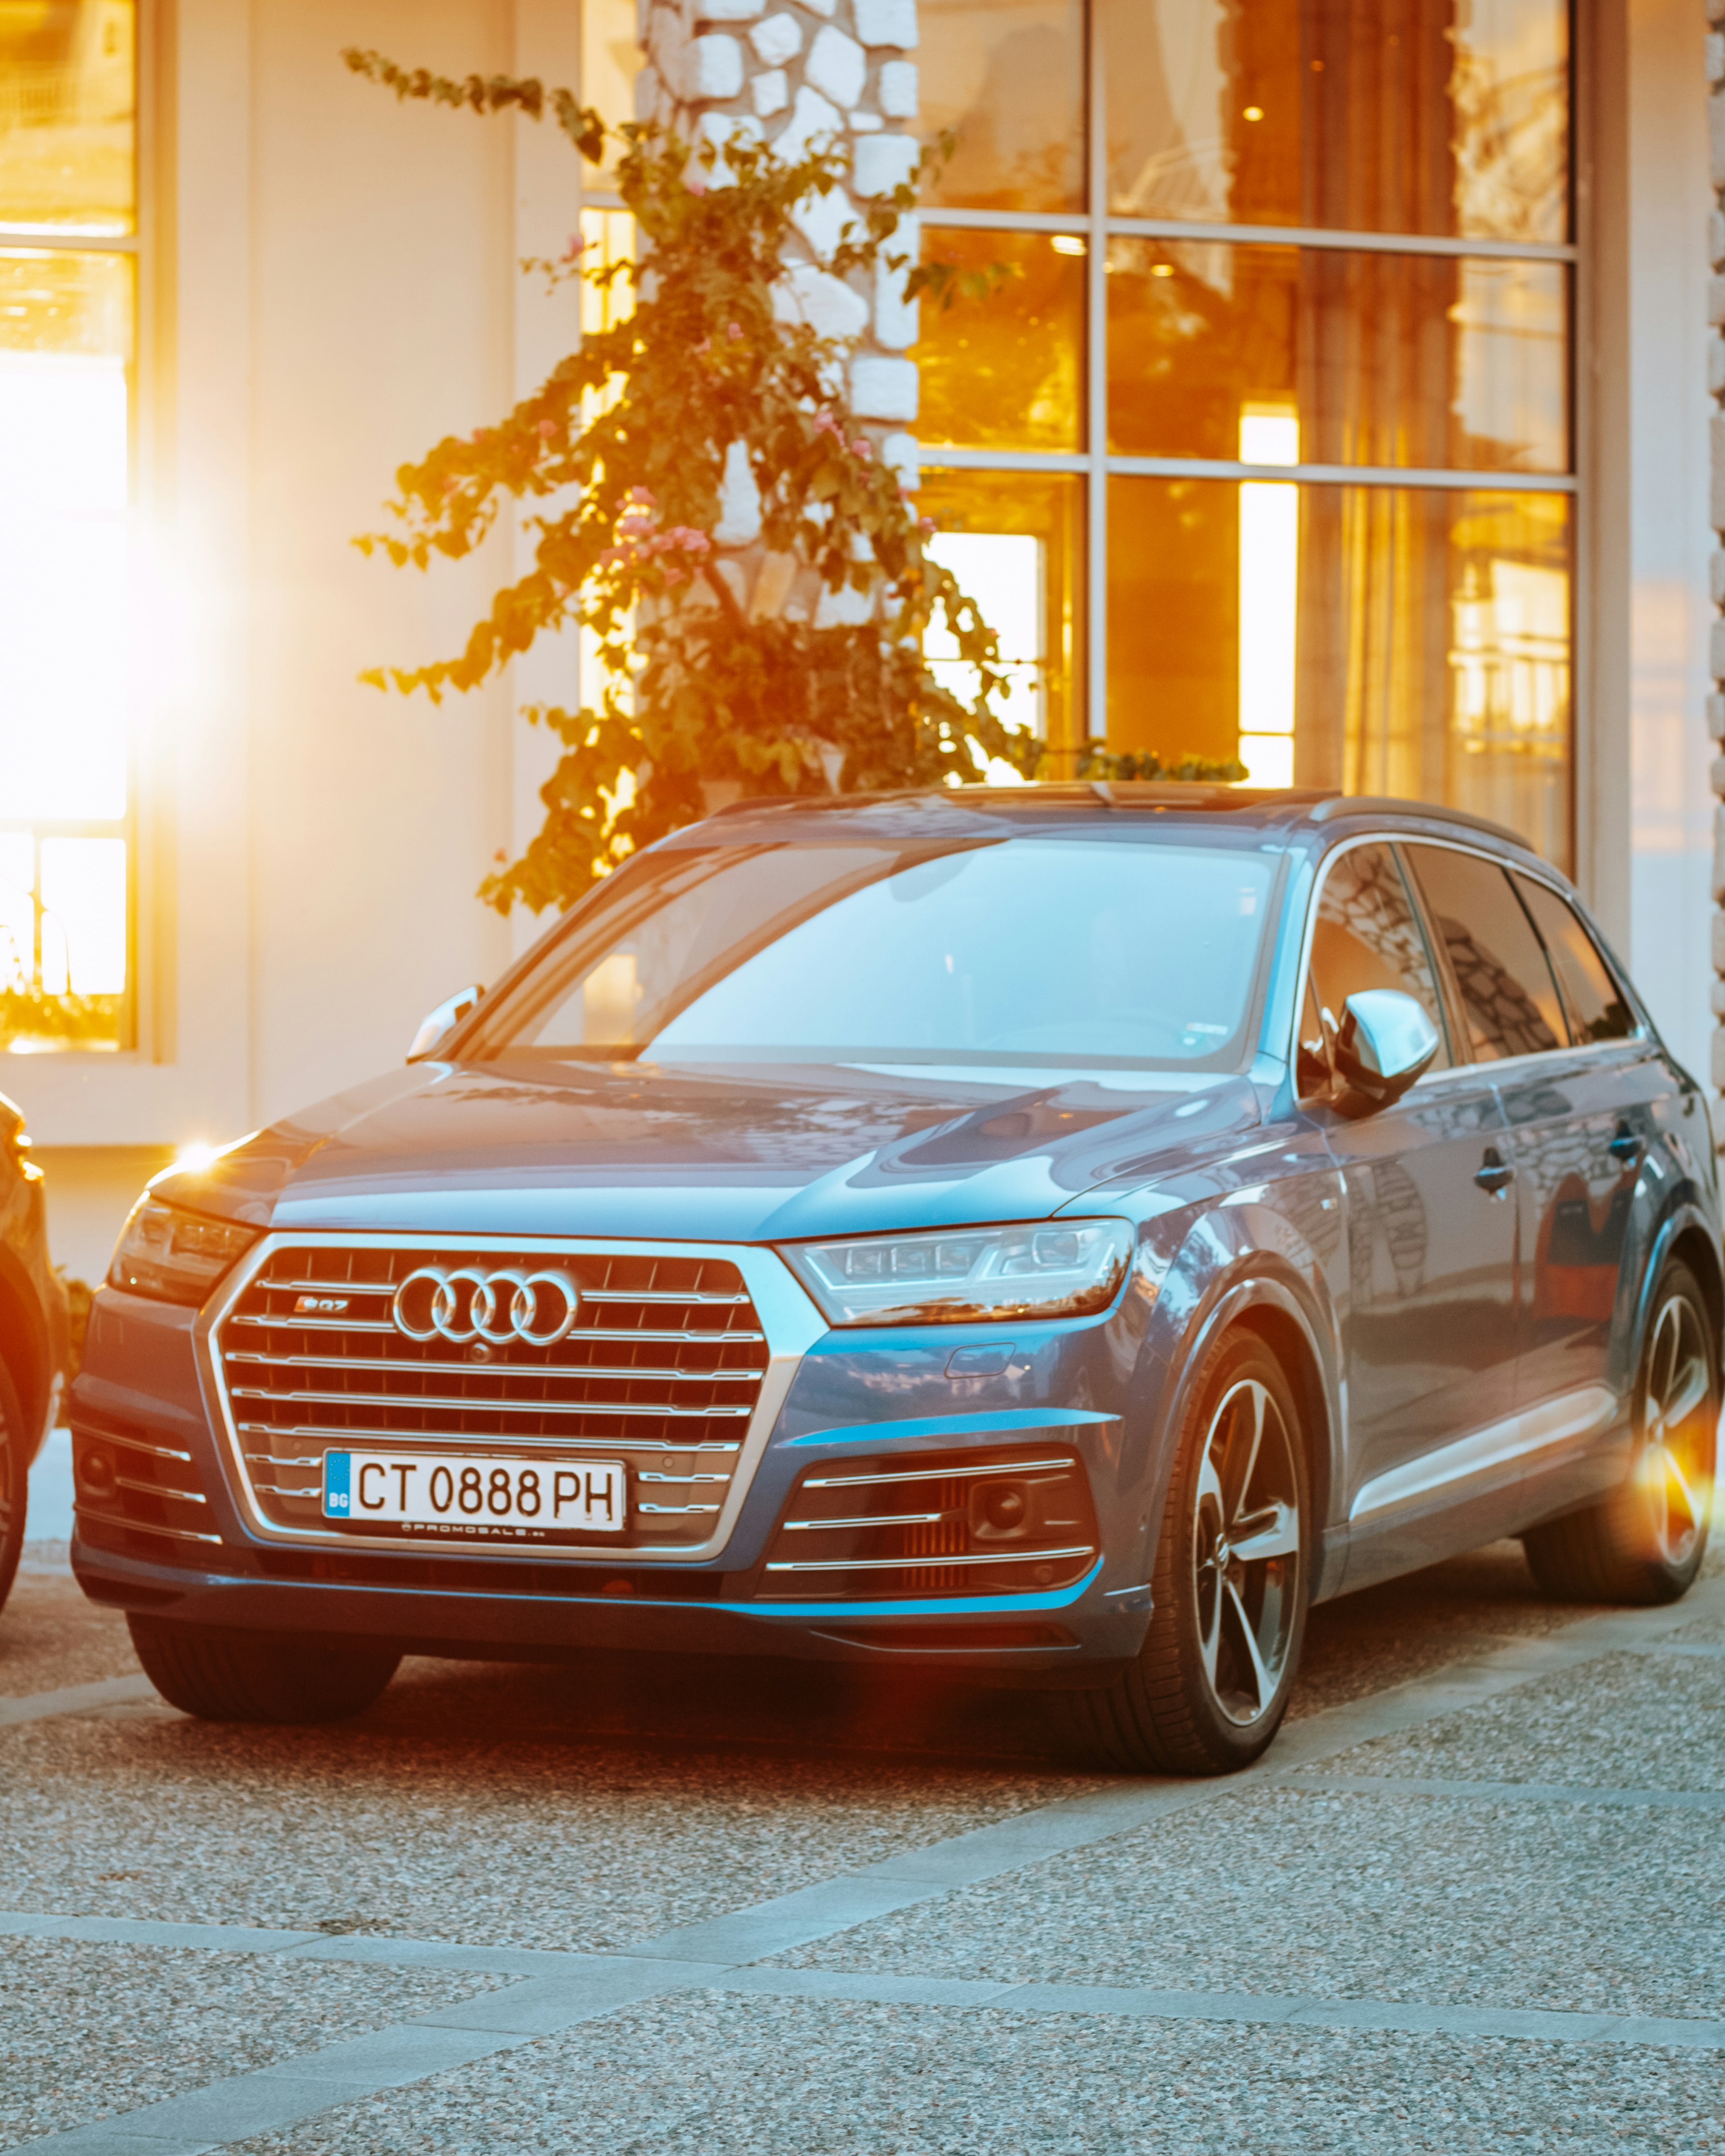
x=1013, y=1522
x=127, y=1486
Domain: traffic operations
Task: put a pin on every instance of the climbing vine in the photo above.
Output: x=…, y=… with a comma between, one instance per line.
x=701, y=498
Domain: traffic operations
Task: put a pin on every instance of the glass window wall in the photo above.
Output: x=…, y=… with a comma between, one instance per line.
x=1284, y=303
x=68, y=305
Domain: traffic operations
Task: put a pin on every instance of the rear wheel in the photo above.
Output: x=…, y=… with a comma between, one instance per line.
x=14, y=1484
x=231, y=1676
x=1645, y=1542
x=1211, y=1683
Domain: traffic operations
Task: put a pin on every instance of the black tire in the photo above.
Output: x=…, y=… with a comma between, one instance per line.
x=14, y=1484
x=1183, y=1707
x=1645, y=1542
x=227, y=1676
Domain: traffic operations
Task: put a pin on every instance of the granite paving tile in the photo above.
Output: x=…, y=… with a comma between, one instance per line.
x=1407, y=1898
x=795, y=2077
x=90, y=2032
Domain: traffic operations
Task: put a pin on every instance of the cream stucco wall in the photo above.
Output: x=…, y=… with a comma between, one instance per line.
x=1670, y=798
x=336, y=288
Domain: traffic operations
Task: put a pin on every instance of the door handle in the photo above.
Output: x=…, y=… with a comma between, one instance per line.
x=1494, y=1173
x=1625, y=1146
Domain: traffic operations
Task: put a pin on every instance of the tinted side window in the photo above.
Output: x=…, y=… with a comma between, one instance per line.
x=1594, y=1004
x=1368, y=936
x=1507, y=994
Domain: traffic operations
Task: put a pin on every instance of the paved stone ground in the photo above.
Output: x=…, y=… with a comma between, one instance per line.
x=1472, y=1900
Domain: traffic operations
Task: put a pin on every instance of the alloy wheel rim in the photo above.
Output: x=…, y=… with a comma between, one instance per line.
x=1246, y=1552
x=1674, y=1471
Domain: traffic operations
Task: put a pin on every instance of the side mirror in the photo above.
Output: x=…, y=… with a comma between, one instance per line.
x=437, y=1022
x=1384, y=1042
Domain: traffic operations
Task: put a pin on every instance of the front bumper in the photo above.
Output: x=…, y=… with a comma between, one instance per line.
x=888, y=1393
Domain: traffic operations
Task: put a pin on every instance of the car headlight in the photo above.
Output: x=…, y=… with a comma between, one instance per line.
x=175, y=1256
x=1038, y=1269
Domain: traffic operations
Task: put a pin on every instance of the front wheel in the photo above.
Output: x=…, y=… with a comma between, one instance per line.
x=1645, y=1542
x=229, y=1675
x=1232, y=1582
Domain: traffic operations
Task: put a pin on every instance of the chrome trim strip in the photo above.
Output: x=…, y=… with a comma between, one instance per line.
x=928, y=1564
x=928, y=1474
x=158, y=1490
x=508, y=1370
x=1518, y=1437
x=790, y=1325
x=137, y=1527
x=420, y=1440
x=578, y=1333
x=137, y=1445
x=429, y=1400
x=331, y=1288
x=879, y=1520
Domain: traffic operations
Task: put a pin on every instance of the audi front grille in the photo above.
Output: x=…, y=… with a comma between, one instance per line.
x=661, y=1369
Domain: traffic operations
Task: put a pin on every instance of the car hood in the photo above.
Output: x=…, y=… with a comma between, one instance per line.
x=674, y=1152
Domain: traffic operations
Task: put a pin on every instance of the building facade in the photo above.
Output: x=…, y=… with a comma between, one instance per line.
x=1341, y=404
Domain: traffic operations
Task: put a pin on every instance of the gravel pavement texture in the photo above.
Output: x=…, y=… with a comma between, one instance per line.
x=1406, y=1898
x=518, y=1844
x=51, y=1637
x=91, y=2031
x=589, y=1808
x=794, y=2078
x=1625, y=1721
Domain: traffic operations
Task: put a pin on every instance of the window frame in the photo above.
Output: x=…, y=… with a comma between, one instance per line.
x=1098, y=466
x=135, y=1042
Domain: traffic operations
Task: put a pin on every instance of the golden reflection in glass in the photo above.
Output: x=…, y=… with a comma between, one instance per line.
x=610, y=61
x=1422, y=636
x=1006, y=78
x=1374, y=116
x=1015, y=542
x=1005, y=371
x=1433, y=360
x=68, y=75
x=1173, y=618
x=65, y=344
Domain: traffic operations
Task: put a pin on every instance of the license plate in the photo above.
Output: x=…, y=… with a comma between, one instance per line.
x=476, y=1494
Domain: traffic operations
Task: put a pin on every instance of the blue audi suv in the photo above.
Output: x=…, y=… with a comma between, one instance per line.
x=1057, y=1234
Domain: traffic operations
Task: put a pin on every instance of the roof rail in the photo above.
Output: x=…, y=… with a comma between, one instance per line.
x=1391, y=804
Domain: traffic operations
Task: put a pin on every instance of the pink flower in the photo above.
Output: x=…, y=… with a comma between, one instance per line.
x=927, y=526
x=577, y=248
x=645, y=496
x=546, y=429
x=733, y=332
x=695, y=183
x=862, y=450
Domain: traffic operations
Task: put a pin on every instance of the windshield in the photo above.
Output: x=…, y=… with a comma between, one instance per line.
x=1012, y=949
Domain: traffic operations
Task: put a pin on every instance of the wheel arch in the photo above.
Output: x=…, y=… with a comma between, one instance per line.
x=1262, y=1301
x=25, y=1350
x=1291, y=1345
x=1685, y=1233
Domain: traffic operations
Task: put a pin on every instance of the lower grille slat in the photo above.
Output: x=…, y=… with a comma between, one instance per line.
x=1005, y=1521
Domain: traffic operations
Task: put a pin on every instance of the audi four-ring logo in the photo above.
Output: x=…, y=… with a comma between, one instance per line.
x=460, y=1304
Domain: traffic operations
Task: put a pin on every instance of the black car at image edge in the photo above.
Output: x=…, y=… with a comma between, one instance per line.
x=33, y=1333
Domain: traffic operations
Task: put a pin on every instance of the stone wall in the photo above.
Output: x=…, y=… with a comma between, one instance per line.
x=793, y=75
